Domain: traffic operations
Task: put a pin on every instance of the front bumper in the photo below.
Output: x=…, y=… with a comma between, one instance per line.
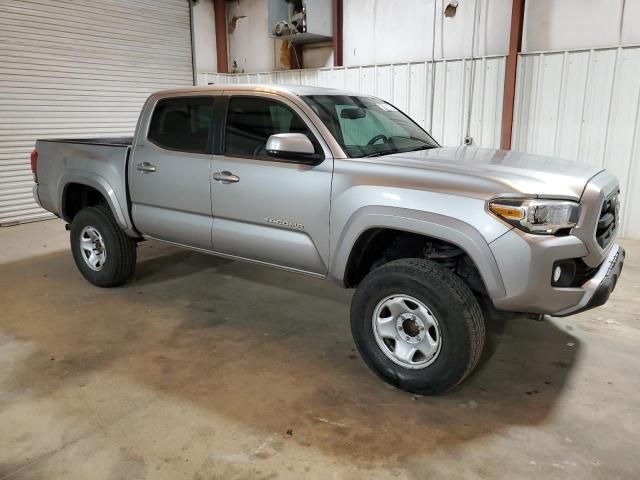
x=599, y=288
x=526, y=262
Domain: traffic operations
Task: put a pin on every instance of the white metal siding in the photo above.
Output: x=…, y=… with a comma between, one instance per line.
x=408, y=86
x=80, y=68
x=585, y=105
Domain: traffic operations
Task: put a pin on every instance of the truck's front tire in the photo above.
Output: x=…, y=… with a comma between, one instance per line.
x=417, y=326
x=104, y=254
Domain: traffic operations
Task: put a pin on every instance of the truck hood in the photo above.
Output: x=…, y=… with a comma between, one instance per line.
x=484, y=172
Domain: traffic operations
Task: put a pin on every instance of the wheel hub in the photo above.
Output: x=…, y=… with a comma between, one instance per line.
x=92, y=248
x=411, y=327
x=407, y=331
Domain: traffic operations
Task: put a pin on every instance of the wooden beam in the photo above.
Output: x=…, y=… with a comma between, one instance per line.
x=515, y=45
x=337, y=33
x=220, y=19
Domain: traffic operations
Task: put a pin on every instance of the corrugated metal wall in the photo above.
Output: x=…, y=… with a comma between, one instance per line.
x=80, y=68
x=584, y=105
x=408, y=86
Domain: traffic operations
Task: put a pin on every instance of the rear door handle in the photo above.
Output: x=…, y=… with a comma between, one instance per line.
x=146, y=167
x=226, y=177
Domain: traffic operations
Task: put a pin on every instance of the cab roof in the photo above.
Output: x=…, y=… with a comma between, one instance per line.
x=297, y=90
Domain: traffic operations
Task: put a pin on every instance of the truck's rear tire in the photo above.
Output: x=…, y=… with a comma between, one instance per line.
x=417, y=326
x=104, y=254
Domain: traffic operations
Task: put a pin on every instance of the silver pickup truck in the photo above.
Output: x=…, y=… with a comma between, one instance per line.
x=345, y=187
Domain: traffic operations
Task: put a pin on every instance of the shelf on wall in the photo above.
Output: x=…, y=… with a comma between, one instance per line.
x=318, y=20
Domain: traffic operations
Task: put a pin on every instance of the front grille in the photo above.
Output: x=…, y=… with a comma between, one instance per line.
x=608, y=220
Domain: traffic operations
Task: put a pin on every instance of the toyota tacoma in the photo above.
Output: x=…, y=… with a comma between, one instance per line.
x=345, y=187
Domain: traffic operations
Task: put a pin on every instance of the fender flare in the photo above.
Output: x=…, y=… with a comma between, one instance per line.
x=101, y=185
x=442, y=227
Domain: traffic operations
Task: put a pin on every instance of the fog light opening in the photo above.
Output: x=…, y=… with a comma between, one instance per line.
x=557, y=273
x=563, y=273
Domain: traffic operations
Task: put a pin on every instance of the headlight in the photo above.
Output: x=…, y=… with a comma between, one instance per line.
x=536, y=216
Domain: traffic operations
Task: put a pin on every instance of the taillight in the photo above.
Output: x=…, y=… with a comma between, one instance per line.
x=34, y=164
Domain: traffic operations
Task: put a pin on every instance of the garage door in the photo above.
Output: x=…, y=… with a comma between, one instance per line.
x=71, y=68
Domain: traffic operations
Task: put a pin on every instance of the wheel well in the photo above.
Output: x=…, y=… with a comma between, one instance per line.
x=377, y=246
x=78, y=196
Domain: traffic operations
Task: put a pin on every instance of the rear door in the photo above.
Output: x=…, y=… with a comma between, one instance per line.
x=270, y=211
x=170, y=171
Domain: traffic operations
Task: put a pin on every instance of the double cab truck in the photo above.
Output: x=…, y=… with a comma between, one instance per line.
x=345, y=187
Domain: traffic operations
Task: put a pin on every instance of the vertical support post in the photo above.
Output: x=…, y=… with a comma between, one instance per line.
x=297, y=61
x=515, y=45
x=337, y=33
x=220, y=19
x=194, y=63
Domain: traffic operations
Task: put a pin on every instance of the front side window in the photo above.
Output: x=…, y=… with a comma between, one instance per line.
x=252, y=120
x=183, y=123
x=368, y=126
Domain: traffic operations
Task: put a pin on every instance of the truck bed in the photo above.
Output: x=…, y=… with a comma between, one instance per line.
x=99, y=163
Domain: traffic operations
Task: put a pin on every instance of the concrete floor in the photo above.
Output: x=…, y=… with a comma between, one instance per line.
x=208, y=369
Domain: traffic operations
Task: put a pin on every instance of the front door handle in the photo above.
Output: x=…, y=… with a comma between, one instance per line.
x=226, y=177
x=146, y=167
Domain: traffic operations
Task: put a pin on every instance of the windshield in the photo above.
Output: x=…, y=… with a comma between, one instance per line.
x=368, y=126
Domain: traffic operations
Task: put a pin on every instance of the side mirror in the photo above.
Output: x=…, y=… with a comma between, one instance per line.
x=293, y=147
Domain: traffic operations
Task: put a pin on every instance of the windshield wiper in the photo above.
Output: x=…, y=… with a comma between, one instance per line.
x=424, y=142
x=421, y=147
x=391, y=152
x=378, y=154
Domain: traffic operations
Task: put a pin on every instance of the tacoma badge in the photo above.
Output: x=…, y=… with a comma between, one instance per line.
x=284, y=223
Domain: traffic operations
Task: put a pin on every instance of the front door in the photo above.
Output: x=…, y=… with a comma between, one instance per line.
x=170, y=172
x=265, y=210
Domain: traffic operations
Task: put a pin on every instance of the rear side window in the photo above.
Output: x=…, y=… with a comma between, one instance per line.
x=252, y=120
x=183, y=123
